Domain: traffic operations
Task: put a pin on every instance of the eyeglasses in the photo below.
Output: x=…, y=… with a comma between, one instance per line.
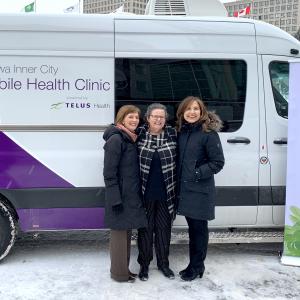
x=157, y=117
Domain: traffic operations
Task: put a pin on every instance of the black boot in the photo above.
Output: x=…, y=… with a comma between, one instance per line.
x=184, y=270
x=167, y=272
x=191, y=274
x=143, y=274
x=133, y=274
x=131, y=279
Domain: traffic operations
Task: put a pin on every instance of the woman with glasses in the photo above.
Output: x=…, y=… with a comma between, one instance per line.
x=157, y=157
x=200, y=157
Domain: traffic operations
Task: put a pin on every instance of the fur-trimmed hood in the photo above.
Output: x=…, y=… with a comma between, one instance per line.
x=215, y=123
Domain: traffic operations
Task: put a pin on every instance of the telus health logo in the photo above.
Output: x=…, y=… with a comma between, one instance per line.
x=78, y=105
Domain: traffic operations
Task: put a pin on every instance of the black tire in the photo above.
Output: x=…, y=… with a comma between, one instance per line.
x=8, y=230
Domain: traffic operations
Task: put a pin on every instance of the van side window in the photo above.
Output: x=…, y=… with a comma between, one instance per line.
x=279, y=74
x=220, y=83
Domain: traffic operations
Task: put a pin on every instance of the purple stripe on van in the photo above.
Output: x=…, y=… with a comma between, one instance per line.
x=19, y=169
x=61, y=218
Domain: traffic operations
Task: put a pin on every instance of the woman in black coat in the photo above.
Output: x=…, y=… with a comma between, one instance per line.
x=200, y=157
x=123, y=205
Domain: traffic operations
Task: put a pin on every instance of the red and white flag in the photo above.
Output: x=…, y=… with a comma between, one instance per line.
x=242, y=12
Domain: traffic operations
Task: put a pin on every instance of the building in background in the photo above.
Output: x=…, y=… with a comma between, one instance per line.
x=281, y=13
x=284, y=14
x=108, y=6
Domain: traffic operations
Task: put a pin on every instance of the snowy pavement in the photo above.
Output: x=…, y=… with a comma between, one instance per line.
x=75, y=266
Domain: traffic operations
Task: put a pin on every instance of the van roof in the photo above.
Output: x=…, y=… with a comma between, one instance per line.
x=70, y=22
x=267, y=36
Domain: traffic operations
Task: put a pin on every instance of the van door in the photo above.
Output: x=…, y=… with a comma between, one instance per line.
x=276, y=80
x=165, y=61
x=237, y=183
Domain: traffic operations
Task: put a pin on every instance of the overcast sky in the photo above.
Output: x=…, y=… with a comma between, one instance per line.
x=43, y=6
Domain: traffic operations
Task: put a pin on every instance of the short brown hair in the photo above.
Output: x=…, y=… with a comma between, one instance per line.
x=185, y=103
x=124, y=111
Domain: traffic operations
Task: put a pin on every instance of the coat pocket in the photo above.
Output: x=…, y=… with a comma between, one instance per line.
x=195, y=187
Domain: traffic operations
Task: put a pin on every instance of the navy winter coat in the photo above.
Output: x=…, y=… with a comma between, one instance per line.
x=200, y=157
x=122, y=184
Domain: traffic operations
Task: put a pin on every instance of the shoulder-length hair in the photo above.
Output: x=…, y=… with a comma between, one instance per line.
x=185, y=103
x=124, y=111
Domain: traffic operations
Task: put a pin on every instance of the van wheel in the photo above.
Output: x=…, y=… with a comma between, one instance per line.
x=8, y=230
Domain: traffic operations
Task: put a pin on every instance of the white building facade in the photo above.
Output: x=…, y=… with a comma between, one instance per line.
x=108, y=6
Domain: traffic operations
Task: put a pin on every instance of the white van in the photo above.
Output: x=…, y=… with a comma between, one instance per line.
x=62, y=78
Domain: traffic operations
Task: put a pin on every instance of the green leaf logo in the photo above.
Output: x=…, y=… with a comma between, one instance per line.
x=57, y=105
x=29, y=7
x=292, y=233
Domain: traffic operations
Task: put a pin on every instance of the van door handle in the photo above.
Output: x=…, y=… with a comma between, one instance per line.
x=238, y=140
x=282, y=141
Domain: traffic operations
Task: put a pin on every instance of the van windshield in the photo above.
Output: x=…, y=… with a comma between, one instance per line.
x=279, y=73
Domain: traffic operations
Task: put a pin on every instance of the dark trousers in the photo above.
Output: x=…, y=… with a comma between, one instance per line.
x=159, y=224
x=120, y=243
x=198, y=234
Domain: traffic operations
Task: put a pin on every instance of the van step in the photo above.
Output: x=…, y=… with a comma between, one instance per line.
x=232, y=236
x=179, y=236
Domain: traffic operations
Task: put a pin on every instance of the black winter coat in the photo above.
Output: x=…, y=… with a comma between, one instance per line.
x=122, y=184
x=200, y=157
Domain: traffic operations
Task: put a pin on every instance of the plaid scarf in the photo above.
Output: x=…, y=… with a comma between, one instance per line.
x=165, y=145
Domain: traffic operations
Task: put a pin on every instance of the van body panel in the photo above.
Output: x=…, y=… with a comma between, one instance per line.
x=61, y=218
x=58, y=34
x=57, y=23
x=58, y=41
x=74, y=90
x=264, y=167
x=54, y=127
x=276, y=135
x=241, y=159
x=184, y=37
x=265, y=216
x=68, y=154
x=278, y=214
x=272, y=40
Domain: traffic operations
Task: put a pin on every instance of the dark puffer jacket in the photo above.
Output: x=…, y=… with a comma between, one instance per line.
x=122, y=185
x=200, y=157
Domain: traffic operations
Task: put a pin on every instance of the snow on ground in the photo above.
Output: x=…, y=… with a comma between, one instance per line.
x=76, y=266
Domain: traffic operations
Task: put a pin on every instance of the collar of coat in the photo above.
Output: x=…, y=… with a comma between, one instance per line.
x=169, y=131
x=113, y=129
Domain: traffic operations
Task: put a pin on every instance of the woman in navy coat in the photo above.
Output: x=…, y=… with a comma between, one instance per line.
x=200, y=157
